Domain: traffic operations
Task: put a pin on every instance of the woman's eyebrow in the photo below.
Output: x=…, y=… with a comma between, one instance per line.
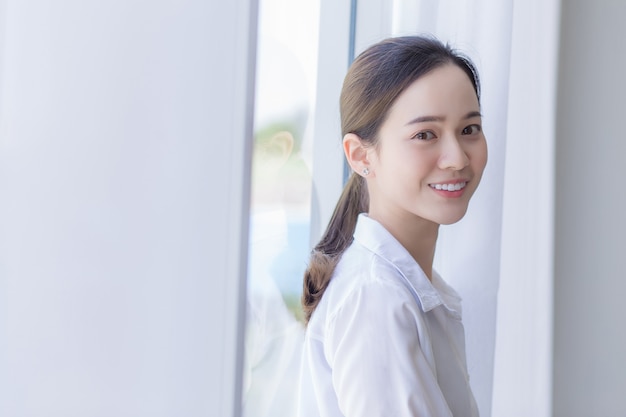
x=423, y=119
x=473, y=114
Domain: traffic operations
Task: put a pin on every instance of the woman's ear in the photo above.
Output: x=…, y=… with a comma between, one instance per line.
x=356, y=154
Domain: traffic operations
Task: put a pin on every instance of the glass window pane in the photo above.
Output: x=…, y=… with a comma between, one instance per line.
x=279, y=242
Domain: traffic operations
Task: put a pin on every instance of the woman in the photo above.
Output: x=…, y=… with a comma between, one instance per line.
x=384, y=334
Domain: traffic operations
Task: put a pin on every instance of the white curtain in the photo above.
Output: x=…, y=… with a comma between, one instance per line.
x=524, y=331
x=499, y=257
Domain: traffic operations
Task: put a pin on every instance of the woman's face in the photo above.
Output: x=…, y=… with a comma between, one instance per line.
x=431, y=151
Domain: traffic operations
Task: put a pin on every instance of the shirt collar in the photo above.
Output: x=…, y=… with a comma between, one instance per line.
x=374, y=237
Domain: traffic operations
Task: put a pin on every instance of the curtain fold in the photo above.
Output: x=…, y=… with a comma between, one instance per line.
x=524, y=331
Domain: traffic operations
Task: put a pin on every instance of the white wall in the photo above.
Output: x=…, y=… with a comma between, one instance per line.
x=589, y=333
x=124, y=131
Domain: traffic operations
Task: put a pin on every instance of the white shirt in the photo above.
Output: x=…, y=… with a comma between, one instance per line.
x=385, y=340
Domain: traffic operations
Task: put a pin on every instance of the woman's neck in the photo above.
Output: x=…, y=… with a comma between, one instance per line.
x=417, y=235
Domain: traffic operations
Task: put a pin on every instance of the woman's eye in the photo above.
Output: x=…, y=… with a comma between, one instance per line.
x=426, y=135
x=471, y=130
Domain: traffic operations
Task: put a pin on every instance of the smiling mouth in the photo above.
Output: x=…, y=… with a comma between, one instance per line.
x=449, y=187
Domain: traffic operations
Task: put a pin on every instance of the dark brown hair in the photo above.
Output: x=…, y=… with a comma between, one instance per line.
x=373, y=82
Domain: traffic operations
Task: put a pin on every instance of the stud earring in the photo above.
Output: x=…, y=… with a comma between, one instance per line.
x=366, y=171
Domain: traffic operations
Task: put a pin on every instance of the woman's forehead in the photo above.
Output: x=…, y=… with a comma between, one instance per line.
x=443, y=93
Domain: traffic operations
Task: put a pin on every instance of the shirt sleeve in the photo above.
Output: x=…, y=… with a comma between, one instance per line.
x=378, y=364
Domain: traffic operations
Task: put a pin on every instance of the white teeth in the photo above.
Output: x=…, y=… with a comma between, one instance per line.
x=449, y=187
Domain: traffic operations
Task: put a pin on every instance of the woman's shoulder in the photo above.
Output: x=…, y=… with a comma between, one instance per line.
x=363, y=285
x=360, y=266
x=362, y=272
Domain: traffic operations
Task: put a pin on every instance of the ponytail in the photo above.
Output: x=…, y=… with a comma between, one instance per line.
x=337, y=237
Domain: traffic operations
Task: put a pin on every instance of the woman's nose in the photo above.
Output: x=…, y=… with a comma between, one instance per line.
x=453, y=156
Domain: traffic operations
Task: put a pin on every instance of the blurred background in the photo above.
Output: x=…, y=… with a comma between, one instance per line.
x=166, y=166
